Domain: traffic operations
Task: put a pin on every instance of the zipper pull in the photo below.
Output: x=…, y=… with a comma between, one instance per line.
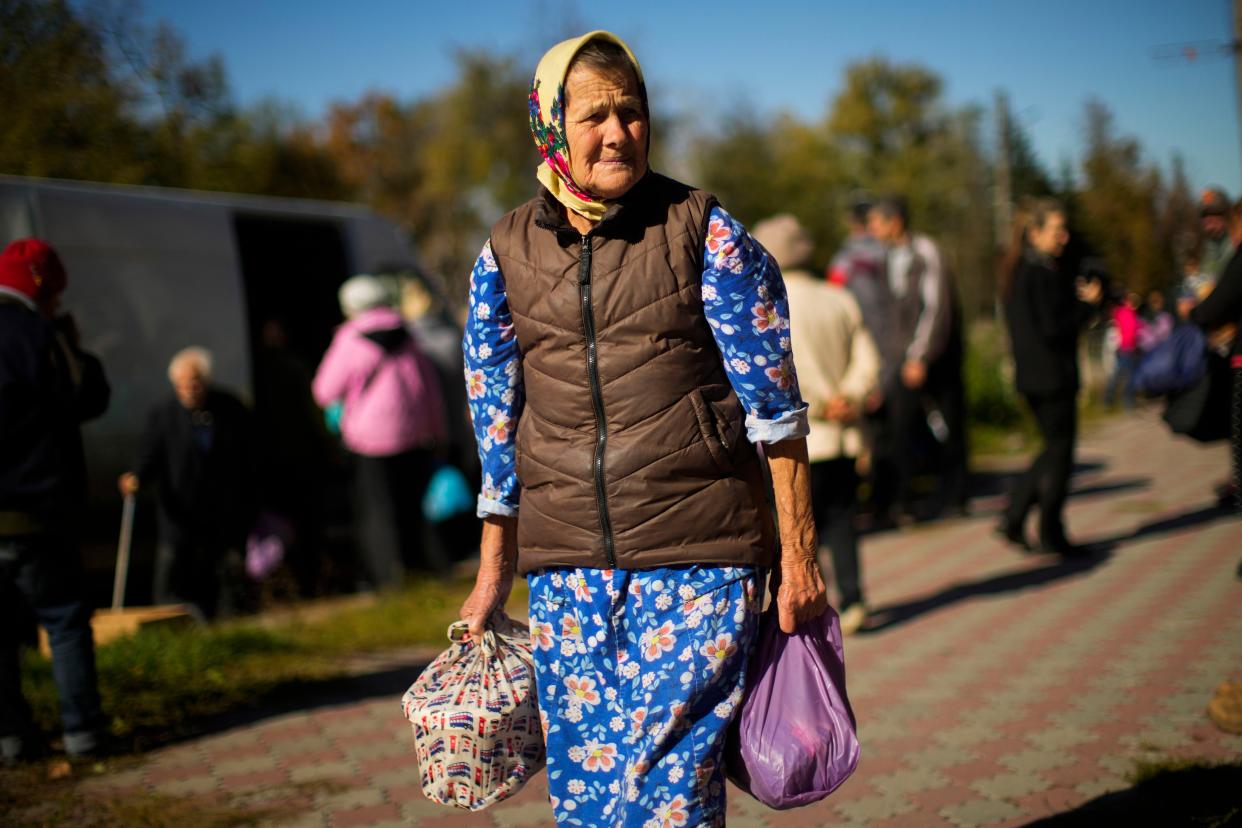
x=584, y=261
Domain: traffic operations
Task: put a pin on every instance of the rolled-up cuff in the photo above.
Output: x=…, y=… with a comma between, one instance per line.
x=789, y=426
x=487, y=506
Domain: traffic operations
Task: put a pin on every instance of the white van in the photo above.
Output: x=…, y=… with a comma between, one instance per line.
x=153, y=270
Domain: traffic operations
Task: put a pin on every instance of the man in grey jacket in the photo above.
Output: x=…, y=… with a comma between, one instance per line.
x=916, y=337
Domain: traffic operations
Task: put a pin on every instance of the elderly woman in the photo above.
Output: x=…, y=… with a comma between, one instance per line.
x=627, y=346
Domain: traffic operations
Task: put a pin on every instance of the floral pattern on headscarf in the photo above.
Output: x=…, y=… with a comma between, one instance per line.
x=551, y=141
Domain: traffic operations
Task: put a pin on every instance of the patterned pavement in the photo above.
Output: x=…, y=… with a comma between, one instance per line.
x=994, y=689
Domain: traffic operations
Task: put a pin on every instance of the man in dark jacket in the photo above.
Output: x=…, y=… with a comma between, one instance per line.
x=1221, y=310
x=1045, y=314
x=48, y=386
x=196, y=451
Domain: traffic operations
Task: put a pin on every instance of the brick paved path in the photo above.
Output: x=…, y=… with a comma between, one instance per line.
x=1000, y=688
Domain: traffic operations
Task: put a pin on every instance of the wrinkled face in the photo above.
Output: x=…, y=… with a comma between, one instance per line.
x=189, y=385
x=883, y=227
x=606, y=130
x=1051, y=238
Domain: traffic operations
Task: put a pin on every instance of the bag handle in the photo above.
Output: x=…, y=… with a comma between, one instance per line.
x=459, y=632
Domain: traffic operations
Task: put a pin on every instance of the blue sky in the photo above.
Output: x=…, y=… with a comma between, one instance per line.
x=710, y=57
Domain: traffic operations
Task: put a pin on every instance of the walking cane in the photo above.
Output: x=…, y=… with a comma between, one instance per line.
x=122, y=553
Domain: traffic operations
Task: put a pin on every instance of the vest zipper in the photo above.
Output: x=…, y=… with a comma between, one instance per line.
x=597, y=398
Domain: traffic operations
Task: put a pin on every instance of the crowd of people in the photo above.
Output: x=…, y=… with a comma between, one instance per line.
x=724, y=362
x=223, y=474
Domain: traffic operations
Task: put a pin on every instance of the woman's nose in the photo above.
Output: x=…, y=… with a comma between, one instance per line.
x=614, y=130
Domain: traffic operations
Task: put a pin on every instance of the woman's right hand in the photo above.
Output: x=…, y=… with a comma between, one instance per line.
x=497, y=561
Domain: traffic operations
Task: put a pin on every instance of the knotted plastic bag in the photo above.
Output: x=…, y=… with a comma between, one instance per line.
x=794, y=740
x=475, y=717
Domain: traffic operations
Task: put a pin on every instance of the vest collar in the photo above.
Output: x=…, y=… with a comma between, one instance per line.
x=550, y=213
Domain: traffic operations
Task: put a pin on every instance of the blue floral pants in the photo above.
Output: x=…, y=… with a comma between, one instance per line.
x=639, y=673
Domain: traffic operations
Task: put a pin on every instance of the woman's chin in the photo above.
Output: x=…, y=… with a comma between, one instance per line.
x=613, y=184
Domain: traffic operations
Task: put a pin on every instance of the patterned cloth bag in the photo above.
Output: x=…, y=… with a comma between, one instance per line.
x=475, y=717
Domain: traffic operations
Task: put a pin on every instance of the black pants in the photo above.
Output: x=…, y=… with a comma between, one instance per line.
x=1047, y=480
x=834, y=493
x=894, y=453
x=203, y=573
x=392, y=534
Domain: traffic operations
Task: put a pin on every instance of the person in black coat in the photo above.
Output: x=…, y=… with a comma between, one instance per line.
x=48, y=387
x=197, y=453
x=1222, y=308
x=1045, y=312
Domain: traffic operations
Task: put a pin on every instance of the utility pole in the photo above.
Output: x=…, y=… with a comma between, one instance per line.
x=1237, y=64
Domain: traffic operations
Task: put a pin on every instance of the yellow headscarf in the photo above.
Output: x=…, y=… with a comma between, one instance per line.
x=547, y=122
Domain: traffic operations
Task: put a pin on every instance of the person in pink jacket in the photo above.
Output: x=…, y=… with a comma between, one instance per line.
x=1128, y=325
x=392, y=421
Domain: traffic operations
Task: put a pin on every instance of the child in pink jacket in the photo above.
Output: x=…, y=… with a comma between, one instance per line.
x=1128, y=325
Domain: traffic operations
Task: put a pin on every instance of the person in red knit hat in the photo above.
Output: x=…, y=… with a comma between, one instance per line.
x=48, y=387
x=30, y=269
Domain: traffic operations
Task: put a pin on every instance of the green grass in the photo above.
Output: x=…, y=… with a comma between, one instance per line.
x=158, y=682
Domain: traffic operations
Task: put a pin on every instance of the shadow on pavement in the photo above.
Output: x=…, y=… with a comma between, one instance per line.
x=1101, y=549
x=986, y=486
x=990, y=482
x=1189, y=796
x=884, y=617
x=1186, y=520
x=995, y=484
x=389, y=682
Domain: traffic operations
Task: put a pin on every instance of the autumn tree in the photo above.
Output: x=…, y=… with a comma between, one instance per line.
x=65, y=112
x=445, y=166
x=92, y=93
x=1120, y=201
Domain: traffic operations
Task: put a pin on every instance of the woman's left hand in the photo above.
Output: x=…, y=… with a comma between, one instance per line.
x=800, y=592
x=797, y=583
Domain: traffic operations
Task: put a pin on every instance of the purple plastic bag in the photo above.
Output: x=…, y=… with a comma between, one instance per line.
x=265, y=547
x=794, y=740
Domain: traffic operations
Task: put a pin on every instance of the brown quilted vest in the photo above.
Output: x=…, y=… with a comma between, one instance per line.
x=631, y=448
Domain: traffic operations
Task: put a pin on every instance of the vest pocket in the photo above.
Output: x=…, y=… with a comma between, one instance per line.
x=718, y=446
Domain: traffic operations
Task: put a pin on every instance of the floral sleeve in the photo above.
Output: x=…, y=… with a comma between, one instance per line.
x=745, y=303
x=493, y=384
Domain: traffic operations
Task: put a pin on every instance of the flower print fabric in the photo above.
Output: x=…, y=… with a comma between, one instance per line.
x=744, y=301
x=638, y=674
x=493, y=365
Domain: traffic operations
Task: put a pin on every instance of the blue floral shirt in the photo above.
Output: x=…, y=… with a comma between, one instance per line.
x=745, y=304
